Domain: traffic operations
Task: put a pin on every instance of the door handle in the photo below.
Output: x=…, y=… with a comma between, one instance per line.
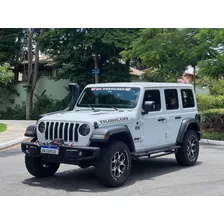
x=177, y=117
x=161, y=119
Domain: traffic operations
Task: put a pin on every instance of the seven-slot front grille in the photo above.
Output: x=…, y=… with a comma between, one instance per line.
x=64, y=130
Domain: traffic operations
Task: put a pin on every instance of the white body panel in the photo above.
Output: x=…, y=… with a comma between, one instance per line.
x=87, y=116
x=146, y=130
x=153, y=131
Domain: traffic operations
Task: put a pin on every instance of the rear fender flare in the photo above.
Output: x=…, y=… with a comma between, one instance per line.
x=186, y=123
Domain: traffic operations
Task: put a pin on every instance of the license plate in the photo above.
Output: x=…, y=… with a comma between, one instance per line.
x=50, y=149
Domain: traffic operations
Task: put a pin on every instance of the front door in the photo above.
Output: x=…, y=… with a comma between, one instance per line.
x=153, y=124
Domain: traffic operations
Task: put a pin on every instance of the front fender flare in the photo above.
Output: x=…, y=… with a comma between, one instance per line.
x=104, y=134
x=31, y=131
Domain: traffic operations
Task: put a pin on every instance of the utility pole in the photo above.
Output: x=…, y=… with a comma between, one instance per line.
x=96, y=59
x=194, y=78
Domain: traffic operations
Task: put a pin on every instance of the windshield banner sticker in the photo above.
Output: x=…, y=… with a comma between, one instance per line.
x=114, y=120
x=109, y=89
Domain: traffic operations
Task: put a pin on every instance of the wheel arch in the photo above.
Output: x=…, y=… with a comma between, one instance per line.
x=107, y=134
x=188, y=124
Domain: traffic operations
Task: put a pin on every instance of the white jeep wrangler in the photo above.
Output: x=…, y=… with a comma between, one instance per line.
x=113, y=123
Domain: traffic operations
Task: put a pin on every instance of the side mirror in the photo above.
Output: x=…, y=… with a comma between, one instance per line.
x=148, y=106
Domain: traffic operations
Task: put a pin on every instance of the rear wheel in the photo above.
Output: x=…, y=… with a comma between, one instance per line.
x=187, y=155
x=114, y=165
x=38, y=168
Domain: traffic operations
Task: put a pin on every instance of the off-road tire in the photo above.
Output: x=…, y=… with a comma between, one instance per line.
x=183, y=156
x=105, y=165
x=37, y=168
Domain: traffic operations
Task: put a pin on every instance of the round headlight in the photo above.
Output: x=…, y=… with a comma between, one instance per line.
x=84, y=129
x=41, y=127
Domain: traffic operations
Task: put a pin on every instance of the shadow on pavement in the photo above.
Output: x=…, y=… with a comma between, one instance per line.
x=85, y=180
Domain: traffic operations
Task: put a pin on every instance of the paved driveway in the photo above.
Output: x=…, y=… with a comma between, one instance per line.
x=162, y=176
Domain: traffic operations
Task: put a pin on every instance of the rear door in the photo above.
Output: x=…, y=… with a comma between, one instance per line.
x=174, y=115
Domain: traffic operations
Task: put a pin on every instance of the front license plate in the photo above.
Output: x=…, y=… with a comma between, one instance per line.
x=50, y=149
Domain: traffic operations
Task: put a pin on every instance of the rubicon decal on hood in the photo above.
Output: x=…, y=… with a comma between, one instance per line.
x=114, y=120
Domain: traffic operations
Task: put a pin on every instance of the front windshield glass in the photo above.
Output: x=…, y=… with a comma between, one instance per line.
x=123, y=97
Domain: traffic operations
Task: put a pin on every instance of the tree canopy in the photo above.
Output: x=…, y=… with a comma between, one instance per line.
x=73, y=52
x=10, y=45
x=168, y=52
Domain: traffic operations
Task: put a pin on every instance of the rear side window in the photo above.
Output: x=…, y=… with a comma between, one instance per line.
x=171, y=97
x=153, y=95
x=187, y=98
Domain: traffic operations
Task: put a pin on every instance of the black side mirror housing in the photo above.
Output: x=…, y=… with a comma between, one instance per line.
x=74, y=88
x=148, y=106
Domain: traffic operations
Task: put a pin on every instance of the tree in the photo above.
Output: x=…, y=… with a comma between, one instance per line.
x=168, y=52
x=33, y=36
x=213, y=67
x=76, y=52
x=10, y=45
x=196, y=49
x=158, y=50
x=6, y=74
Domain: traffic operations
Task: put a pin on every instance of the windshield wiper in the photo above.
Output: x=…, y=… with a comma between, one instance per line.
x=111, y=105
x=91, y=107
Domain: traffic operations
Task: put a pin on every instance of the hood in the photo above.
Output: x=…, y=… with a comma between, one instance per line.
x=87, y=116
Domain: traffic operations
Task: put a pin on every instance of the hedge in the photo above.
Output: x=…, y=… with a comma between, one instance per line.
x=206, y=102
x=213, y=120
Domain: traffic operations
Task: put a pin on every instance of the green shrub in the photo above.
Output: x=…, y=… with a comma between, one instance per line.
x=217, y=88
x=213, y=120
x=18, y=113
x=206, y=102
x=42, y=104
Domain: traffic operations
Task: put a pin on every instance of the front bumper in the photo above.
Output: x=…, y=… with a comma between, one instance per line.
x=67, y=154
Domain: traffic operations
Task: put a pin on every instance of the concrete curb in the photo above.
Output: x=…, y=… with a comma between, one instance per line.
x=12, y=142
x=212, y=142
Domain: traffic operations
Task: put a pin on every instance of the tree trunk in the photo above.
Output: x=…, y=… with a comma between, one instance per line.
x=36, y=63
x=30, y=55
x=32, y=75
x=29, y=102
x=29, y=95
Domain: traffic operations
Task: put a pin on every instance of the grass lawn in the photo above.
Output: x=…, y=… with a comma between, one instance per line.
x=213, y=135
x=3, y=127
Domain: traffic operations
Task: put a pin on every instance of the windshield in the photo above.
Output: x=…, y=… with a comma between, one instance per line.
x=124, y=97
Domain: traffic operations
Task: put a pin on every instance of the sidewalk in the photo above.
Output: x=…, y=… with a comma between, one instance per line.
x=14, y=133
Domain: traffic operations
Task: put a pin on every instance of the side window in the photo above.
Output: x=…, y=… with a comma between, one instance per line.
x=171, y=99
x=153, y=95
x=187, y=98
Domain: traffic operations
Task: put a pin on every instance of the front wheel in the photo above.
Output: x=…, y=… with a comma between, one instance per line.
x=38, y=168
x=187, y=155
x=114, y=165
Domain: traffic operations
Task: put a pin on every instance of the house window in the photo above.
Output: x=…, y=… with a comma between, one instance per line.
x=171, y=97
